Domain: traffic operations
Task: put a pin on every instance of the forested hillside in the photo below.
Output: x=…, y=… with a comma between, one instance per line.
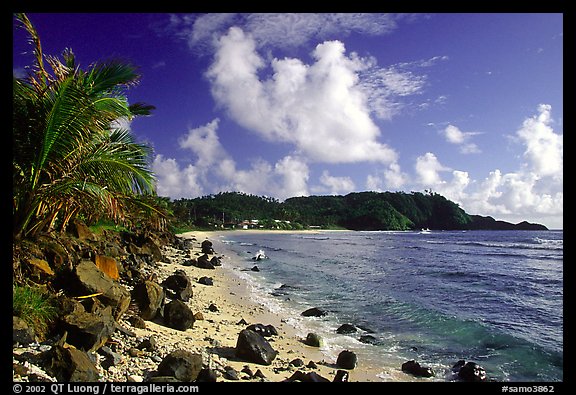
x=355, y=211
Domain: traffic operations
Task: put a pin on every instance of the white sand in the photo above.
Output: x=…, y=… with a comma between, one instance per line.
x=218, y=332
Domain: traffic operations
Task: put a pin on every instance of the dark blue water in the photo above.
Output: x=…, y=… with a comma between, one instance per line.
x=492, y=297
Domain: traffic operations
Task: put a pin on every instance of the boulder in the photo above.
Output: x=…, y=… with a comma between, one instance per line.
x=207, y=247
x=206, y=280
x=342, y=376
x=149, y=296
x=204, y=263
x=21, y=332
x=414, y=368
x=313, y=340
x=152, y=247
x=111, y=358
x=314, y=312
x=347, y=360
x=472, y=372
x=368, y=339
x=92, y=280
x=310, y=377
x=263, y=330
x=178, y=315
x=345, y=329
x=206, y=375
x=251, y=347
x=180, y=284
x=216, y=261
x=181, y=364
x=108, y=265
x=89, y=331
x=39, y=269
x=81, y=231
x=70, y=365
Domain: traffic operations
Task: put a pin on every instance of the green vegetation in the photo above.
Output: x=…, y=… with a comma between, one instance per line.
x=358, y=211
x=71, y=157
x=34, y=307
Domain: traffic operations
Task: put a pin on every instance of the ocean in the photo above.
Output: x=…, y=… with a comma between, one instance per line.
x=491, y=297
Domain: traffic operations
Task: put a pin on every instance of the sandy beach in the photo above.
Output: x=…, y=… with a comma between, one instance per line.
x=217, y=332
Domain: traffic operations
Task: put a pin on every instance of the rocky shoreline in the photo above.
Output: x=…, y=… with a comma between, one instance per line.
x=141, y=308
x=161, y=308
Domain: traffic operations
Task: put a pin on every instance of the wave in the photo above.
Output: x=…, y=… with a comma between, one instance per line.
x=538, y=244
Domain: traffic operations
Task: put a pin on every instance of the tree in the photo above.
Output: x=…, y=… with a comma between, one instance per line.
x=70, y=156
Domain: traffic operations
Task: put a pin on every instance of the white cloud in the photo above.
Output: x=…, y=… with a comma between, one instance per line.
x=455, y=136
x=428, y=169
x=544, y=148
x=213, y=170
x=283, y=29
x=175, y=182
x=203, y=141
x=534, y=190
x=320, y=108
x=295, y=175
x=335, y=185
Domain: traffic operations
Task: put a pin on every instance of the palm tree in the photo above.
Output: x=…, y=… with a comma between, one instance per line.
x=69, y=157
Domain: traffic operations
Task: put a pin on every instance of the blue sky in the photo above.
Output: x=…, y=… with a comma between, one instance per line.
x=469, y=105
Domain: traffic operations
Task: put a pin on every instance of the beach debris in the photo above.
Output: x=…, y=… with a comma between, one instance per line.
x=414, y=368
x=347, y=359
x=181, y=364
x=314, y=312
x=345, y=329
x=313, y=340
x=178, y=315
x=252, y=347
x=213, y=308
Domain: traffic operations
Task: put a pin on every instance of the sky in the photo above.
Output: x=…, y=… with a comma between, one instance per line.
x=467, y=105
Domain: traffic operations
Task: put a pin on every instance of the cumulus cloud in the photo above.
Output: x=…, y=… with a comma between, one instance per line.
x=213, y=170
x=455, y=136
x=534, y=190
x=333, y=185
x=544, y=148
x=321, y=108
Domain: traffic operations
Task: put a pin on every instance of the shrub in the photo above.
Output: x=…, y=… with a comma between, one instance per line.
x=34, y=306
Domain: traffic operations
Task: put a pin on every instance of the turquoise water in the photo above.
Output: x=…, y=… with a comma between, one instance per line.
x=492, y=297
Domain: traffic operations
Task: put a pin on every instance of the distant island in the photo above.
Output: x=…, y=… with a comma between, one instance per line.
x=354, y=211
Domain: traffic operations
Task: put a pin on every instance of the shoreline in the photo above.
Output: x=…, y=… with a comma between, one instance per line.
x=236, y=301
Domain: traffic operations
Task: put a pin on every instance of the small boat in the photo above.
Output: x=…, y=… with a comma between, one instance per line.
x=425, y=230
